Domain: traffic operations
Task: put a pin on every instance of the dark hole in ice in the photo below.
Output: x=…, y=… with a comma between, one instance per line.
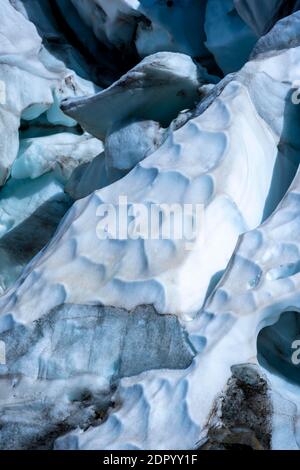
x=277, y=347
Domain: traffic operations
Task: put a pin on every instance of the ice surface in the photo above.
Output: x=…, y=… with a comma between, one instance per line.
x=151, y=25
x=35, y=82
x=228, y=38
x=129, y=272
x=284, y=35
x=119, y=344
x=162, y=84
x=231, y=320
x=260, y=15
x=30, y=212
x=140, y=343
x=62, y=153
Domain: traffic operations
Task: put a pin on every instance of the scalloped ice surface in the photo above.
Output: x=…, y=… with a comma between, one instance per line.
x=140, y=343
x=258, y=287
x=259, y=284
x=129, y=272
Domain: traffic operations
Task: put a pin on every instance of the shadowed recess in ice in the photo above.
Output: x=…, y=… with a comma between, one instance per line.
x=278, y=346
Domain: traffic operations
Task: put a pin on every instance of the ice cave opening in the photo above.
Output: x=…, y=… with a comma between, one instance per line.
x=278, y=347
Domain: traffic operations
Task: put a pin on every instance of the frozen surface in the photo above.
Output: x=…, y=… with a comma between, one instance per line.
x=130, y=272
x=61, y=153
x=30, y=212
x=284, y=35
x=150, y=24
x=228, y=38
x=35, y=82
x=162, y=85
x=260, y=15
x=55, y=351
x=141, y=343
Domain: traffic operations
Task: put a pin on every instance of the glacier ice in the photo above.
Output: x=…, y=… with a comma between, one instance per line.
x=228, y=37
x=163, y=84
x=276, y=40
x=35, y=82
x=150, y=25
x=126, y=144
x=167, y=281
x=30, y=212
x=83, y=377
x=88, y=177
x=259, y=15
x=60, y=152
x=140, y=343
